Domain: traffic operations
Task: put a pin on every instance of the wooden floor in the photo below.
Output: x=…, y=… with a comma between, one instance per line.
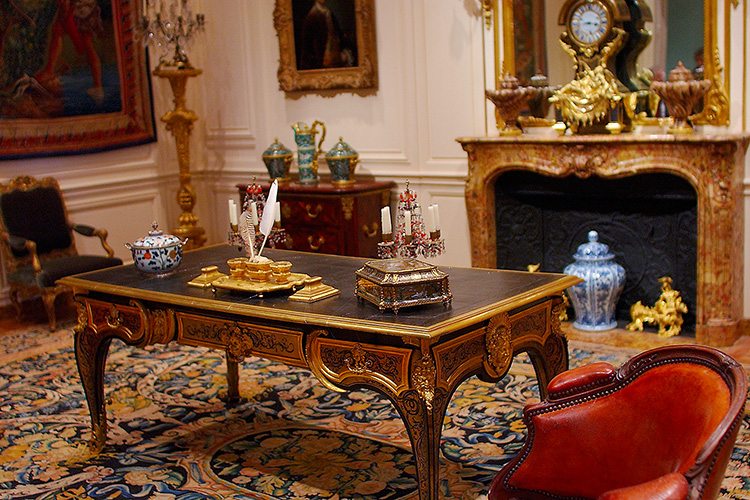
x=34, y=314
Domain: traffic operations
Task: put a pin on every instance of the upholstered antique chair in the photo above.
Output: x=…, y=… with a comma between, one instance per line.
x=37, y=242
x=662, y=426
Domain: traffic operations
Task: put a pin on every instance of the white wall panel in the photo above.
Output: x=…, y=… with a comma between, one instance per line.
x=452, y=77
x=228, y=63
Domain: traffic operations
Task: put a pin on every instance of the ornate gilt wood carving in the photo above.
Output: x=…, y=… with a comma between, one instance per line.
x=499, y=347
x=424, y=377
x=98, y=323
x=241, y=340
x=340, y=363
x=347, y=206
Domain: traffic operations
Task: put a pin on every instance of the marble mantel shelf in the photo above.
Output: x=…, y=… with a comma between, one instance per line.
x=713, y=164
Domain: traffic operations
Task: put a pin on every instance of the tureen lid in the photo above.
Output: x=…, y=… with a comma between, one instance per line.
x=277, y=149
x=593, y=250
x=157, y=239
x=341, y=149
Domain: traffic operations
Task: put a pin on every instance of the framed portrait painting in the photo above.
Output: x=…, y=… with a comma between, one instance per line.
x=326, y=44
x=73, y=78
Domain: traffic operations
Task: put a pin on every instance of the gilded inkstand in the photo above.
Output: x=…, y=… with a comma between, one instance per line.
x=254, y=273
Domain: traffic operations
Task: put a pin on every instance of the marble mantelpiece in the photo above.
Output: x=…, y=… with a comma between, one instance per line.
x=713, y=164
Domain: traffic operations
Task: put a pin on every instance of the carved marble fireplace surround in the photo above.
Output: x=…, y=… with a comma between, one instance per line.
x=713, y=164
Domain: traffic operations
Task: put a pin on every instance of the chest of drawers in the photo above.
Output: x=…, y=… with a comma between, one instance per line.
x=330, y=219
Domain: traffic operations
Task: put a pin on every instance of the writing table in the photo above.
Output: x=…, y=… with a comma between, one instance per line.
x=416, y=358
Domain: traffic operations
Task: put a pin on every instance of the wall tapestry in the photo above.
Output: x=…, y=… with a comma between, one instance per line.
x=73, y=78
x=326, y=44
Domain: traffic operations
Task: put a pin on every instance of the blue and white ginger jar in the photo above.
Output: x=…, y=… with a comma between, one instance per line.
x=595, y=299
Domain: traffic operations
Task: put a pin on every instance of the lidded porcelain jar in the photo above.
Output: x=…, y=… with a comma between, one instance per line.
x=278, y=159
x=157, y=253
x=595, y=299
x=342, y=159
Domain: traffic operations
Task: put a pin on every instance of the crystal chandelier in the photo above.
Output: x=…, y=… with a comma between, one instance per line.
x=170, y=26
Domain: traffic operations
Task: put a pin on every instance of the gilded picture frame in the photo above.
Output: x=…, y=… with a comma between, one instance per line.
x=74, y=78
x=326, y=44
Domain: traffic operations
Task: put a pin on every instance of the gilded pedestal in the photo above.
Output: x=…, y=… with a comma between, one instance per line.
x=180, y=122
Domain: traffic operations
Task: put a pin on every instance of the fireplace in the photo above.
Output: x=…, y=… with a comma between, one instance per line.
x=649, y=222
x=712, y=166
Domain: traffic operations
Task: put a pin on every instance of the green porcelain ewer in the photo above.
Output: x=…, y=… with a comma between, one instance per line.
x=307, y=154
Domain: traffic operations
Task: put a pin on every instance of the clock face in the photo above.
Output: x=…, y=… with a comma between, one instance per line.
x=589, y=22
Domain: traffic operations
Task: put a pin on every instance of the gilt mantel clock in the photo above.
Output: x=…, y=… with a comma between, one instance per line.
x=599, y=35
x=594, y=32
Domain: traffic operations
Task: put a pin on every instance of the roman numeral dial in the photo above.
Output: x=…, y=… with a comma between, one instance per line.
x=589, y=23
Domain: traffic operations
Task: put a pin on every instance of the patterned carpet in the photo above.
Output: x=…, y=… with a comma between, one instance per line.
x=172, y=437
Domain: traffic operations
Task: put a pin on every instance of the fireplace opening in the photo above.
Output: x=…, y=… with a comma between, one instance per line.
x=648, y=220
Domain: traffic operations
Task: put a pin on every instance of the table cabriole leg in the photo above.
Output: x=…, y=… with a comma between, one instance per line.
x=91, y=356
x=98, y=323
x=233, y=380
x=424, y=425
x=549, y=361
x=547, y=346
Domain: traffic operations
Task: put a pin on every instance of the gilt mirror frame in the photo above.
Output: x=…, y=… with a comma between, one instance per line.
x=716, y=101
x=362, y=75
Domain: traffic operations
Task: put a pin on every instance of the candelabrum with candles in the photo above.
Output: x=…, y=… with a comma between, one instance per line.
x=169, y=26
x=245, y=228
x=412, y=238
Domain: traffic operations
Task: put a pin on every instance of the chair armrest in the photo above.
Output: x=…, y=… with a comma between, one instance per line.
x=672, y=486
x=85, y=230
x=18, y=244
x=579, y=379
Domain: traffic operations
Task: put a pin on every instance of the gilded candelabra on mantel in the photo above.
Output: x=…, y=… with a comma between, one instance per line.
x=170, y=26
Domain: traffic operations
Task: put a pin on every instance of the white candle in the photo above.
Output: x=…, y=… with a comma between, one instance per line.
x=277, y=213
x=436, y=215
x=407, y=222
x=254, y=213
x=385, y=220
x=431, y=218
x=232, y=212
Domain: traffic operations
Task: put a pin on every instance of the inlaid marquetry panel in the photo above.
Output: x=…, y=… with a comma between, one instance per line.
x=104, y=315
x=455, y=358
x=343, y=363
x=241, y=340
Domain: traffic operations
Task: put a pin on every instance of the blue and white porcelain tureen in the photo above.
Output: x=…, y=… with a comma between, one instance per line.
x=157, y=253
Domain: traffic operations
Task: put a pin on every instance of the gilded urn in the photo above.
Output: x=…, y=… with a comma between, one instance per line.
x=595, y=299
x=342, y=159
x=278, y=160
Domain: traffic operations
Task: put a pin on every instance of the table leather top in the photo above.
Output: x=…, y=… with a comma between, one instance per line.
x=478, y=294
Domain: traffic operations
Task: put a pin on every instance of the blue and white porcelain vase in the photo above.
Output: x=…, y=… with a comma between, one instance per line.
x=595, y=299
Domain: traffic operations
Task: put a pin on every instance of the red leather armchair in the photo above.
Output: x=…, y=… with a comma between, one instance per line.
x=662, y=426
